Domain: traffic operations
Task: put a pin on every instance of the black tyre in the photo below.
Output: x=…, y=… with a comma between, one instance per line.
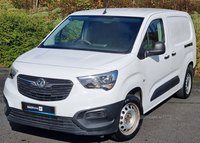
x=185, y=91
x=130, y=119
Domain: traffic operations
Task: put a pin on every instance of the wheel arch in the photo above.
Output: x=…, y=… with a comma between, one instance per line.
x=192, y=67
x=137, y=92
x=190, y=62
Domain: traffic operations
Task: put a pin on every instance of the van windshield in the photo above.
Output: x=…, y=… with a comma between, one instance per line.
x=95, y=33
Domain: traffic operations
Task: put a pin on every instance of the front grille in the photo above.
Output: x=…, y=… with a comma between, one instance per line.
x=56, y=123
x=54, y=90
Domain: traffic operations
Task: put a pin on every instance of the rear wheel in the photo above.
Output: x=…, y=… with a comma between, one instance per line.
x=130, y=119
x=185, y=91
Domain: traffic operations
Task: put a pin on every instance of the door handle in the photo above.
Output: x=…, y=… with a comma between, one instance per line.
x=173, y=53
x=167, y=56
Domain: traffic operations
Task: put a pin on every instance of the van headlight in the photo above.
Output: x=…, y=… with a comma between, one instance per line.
x=103, y=81
x=12, y=72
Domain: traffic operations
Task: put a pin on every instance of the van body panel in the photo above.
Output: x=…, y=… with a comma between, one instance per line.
x=79, y=98
x=154, y=78
x=76, y=59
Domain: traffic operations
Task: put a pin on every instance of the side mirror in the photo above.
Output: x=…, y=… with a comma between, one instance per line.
x=159, y=48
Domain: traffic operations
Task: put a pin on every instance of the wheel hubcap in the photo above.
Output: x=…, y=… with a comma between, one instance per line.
x=188, y=83
x=129, y=119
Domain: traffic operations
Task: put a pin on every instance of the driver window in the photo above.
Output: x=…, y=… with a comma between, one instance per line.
x=155, y=33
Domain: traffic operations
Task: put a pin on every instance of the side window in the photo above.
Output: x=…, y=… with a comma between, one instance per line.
x=155, y=33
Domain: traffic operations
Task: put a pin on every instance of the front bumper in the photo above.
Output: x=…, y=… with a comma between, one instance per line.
x=99, y=121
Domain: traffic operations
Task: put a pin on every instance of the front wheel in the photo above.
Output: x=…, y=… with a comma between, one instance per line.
x=130, y=119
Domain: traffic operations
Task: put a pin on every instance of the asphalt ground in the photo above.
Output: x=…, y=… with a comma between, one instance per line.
x=174, y=121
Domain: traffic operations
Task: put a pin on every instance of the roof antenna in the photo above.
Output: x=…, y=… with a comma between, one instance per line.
x=105, y=11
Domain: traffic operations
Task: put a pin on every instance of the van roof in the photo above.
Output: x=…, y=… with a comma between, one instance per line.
x=133, y=12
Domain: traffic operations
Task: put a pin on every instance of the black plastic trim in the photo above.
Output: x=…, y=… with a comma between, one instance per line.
x=6, y=108
x=165, y=87
x=173, y=54
x=188, y=45
x=106, y=121
x=193, y=71
x=105, y=124
x=55, y=123
x=167, y=57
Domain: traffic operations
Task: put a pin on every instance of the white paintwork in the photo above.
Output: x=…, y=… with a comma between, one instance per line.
x=147, y=74
x=76, y=59
x=132, y=12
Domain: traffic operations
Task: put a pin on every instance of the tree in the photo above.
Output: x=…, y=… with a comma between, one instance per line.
x=35, y=4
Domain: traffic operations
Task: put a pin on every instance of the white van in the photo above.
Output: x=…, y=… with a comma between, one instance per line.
x=99, y=71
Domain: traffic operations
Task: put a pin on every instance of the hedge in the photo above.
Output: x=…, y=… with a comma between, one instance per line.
x=196, y=21
x=22, y=30
x=70, y=6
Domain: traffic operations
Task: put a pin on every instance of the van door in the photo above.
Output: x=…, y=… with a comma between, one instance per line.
x=180, y=39
x=157, y=68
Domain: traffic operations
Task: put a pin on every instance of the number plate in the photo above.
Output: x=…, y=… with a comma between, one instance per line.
x=35, y=108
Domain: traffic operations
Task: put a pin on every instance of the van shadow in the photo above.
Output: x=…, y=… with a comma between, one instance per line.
x=59, y=136
x=158, y=106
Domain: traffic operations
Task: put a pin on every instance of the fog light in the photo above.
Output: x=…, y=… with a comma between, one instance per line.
x=95, y=115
